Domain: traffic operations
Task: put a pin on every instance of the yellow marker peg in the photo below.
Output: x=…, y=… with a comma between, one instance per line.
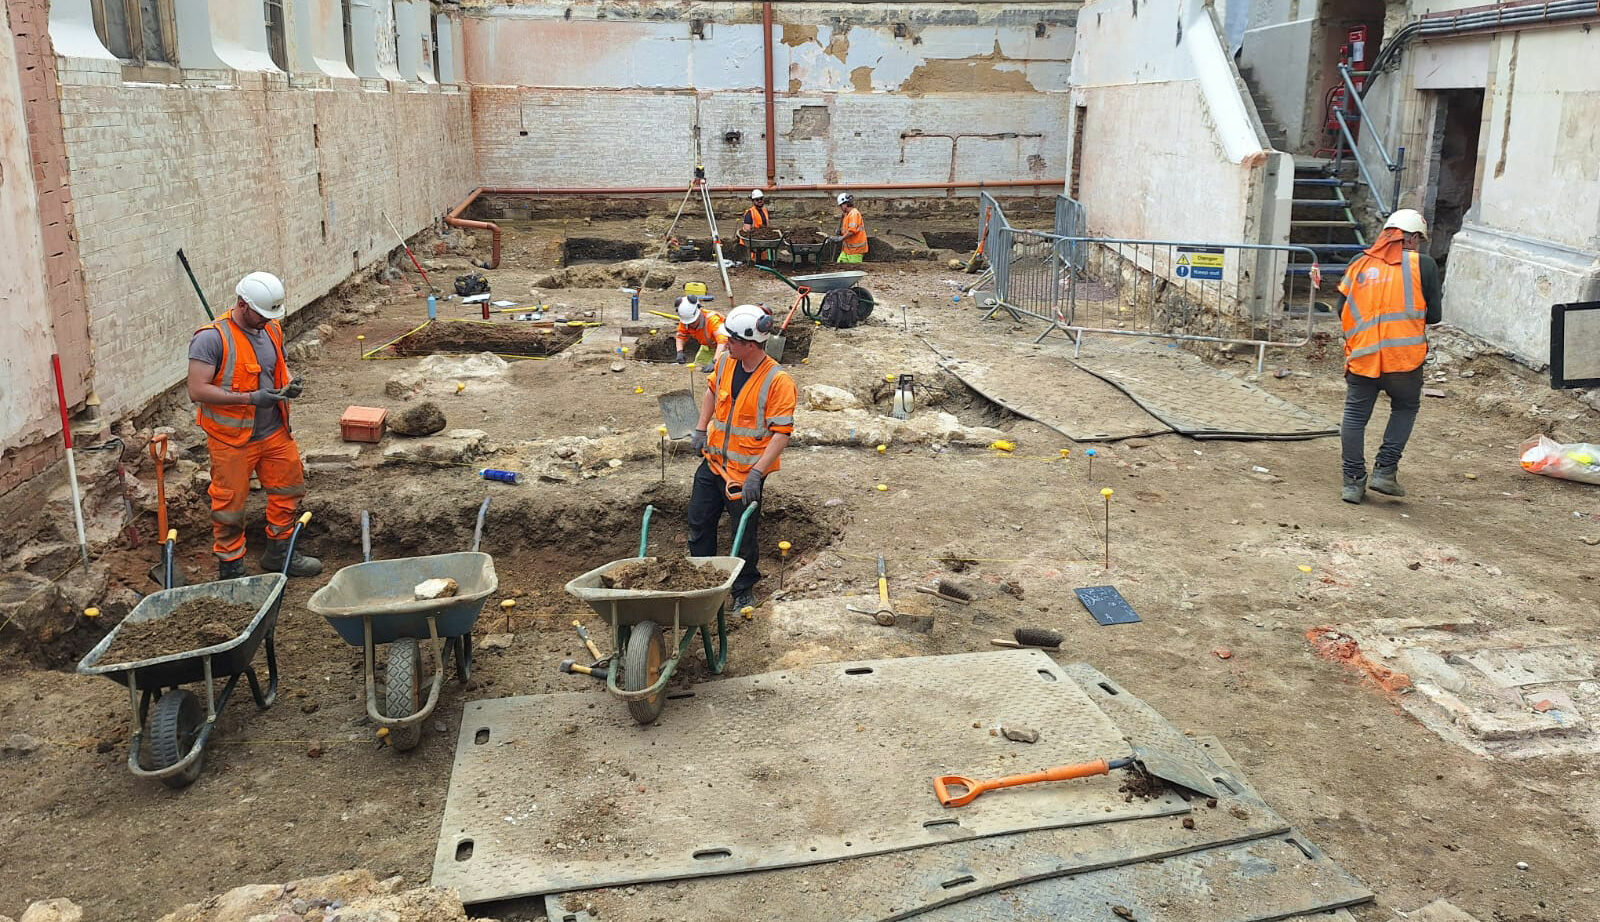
x=91, y=612
x=638, y=390
x=1066, y=452
x=1003, y=445
x=784, y=546
x=661, y=430
x=1304, y=569
x=883, y=488
x=882, y=449
x=1106, y=492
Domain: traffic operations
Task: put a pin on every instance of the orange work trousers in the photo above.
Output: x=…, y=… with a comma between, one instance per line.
x=275, y=460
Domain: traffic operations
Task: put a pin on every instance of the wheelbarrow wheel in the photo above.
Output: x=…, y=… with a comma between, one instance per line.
x=402, y=691
x=641, y=666
x=174, y=724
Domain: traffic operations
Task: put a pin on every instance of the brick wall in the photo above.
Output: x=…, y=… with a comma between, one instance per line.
x=18, y=465
x=250, y=175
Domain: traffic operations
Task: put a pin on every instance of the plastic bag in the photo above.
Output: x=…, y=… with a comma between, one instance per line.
x=1578, y=461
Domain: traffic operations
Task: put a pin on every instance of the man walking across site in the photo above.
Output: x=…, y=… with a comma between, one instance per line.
x=1387, y=298
x=238, y=378
x=745, y=422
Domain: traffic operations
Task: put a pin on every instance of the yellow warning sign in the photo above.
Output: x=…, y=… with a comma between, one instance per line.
x=1208, y=260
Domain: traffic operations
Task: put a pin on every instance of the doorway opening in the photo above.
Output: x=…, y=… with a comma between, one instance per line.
x=1452, y=180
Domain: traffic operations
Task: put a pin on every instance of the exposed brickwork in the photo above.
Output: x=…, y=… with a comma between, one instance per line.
x=17, y=465
x=231, y=175
x=36, y=72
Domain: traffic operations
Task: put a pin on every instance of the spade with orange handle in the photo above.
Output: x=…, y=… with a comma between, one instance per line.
x=970, y=789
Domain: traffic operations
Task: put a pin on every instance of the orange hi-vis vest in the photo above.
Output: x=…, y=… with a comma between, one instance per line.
x=709, y=333
x=1384, y=316
x=756, y=215
x=740, y=429
x=232, y=424
x=854, y=230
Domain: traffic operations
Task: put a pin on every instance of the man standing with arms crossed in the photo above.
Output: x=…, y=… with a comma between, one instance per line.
x=745, y=423
x=1387, y=298
x=242, y=386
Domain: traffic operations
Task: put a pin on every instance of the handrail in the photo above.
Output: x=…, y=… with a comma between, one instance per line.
x=1361, y=164
x=1395, y=164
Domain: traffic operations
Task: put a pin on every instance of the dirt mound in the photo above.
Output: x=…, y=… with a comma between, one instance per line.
x=675, y=574
x=805, y=236
x=767, y=235
x=660, y=347
x=422, y=419
x=466, y=337
x=194, y=625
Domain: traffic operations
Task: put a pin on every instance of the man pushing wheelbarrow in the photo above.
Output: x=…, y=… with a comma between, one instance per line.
x=745, y=423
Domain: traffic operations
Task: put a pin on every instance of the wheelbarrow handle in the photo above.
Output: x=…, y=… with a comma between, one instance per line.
x=167, y=553
x=779, y=275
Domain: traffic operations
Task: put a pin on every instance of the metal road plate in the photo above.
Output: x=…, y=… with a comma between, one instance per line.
x=1107, y=605
x=1260, y=881
x=1203, y=763
x=1200, y=401
x=564, y=792
x=1050, y=390
x=902, y=884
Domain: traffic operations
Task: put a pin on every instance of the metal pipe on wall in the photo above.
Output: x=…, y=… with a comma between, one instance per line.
x=772, y=131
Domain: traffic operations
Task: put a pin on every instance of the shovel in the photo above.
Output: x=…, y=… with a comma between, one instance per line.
x=164, y=574
x=775, y=342
x=679, y=413
x=1144, y=761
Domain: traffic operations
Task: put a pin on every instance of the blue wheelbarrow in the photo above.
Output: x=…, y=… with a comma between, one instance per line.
x=177, y=730
x=640, y=618
x=372, y=603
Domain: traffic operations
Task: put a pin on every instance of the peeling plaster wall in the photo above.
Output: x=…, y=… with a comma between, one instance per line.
x=1532, y=235
x=1170, y=148
x=961, y=93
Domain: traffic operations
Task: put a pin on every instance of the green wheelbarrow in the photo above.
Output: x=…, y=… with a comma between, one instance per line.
x=639, y=670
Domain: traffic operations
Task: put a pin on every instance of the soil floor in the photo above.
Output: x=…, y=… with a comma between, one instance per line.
x=1207, y=550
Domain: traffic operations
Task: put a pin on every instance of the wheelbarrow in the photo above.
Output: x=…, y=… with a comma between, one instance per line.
x=372, y=603
x=823, y=283
x=640, y=617
x=177, y=729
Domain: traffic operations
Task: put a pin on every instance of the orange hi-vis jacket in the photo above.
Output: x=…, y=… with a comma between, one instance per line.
x=756, y=217
x=232, y=424
x=1384, y=315
x=854, y=230
x=709, y=333
x=740, y=429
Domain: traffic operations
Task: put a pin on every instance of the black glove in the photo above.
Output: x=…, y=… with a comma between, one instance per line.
x=294, y=388
x=268, y=396
x=698, y=440
x=682, y=357
x=837, y=238
x=752, y=487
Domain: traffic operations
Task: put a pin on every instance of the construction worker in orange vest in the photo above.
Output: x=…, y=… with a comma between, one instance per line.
x=745, y=422
x=1388, y=296
x=238, y=378
x=852, y=236
x=698, y=325
x=755, y=218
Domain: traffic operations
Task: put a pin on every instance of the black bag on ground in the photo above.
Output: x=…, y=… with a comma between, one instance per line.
x=840, y=309
x=471, y=284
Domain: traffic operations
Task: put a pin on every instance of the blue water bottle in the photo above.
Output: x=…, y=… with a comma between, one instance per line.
x=433, y=307
x=634, y=307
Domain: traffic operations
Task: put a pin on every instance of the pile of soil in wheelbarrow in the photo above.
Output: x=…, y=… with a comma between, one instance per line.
x=675, y=574
x=765, y=235
x=806, y=237
x=466, y=338
x=194, y=625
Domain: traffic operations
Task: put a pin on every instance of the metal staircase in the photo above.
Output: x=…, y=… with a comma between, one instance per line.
x=1321, y=219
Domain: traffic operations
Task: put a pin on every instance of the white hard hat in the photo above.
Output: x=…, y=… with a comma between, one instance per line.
x=688, y=311
x=263, y=292
x=1409, y=221
x=845, y=198
x=748, y=322
x=756, y=195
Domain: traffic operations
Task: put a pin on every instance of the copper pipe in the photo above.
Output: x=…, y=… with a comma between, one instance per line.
x=454, y=219
x=772, y=130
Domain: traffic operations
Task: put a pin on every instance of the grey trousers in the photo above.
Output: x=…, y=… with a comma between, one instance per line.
x=1361, y=395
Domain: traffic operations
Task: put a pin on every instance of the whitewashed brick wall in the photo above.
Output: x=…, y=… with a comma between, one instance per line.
x=231, y=176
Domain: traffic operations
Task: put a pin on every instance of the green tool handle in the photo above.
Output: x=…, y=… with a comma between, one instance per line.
x=779, y=275
x=203, y=302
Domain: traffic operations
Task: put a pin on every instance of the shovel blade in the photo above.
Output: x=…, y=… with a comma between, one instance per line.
x=678, y=413
x=1176, y=771
x=158, y=575
x=774, y=346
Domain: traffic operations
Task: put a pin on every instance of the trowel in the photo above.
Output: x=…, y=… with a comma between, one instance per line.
x=678, y=413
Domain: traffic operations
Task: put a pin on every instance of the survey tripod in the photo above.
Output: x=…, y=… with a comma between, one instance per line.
x=698, y=184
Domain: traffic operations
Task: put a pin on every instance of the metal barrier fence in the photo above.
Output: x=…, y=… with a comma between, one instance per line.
x=1071, y=222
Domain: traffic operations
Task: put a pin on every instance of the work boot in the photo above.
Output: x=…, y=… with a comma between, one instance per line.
x=230, y=569
x=742, y=599
x=1355, y=488
x=299, y=565
x=1383, y=482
